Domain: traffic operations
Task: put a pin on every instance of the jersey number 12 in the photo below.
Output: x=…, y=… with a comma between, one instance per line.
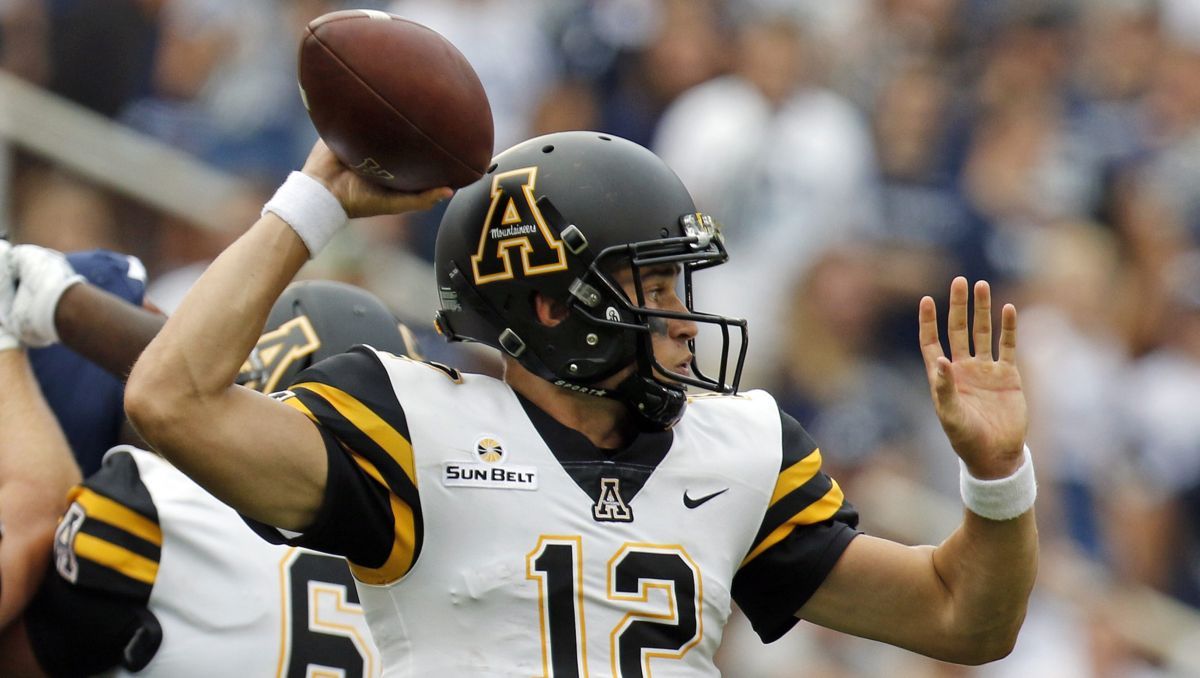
x=644, y=633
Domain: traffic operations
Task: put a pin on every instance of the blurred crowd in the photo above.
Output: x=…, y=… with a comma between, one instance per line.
x=859, y=153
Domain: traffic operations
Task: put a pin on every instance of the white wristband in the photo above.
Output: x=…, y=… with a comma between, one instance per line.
x=1002, y=498
x=309, y=208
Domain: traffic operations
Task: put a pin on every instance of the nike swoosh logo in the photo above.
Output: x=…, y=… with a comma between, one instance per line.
x=693, y=503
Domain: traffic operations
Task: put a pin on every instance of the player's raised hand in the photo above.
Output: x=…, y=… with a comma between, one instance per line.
x=359, y=197
x=978, y=398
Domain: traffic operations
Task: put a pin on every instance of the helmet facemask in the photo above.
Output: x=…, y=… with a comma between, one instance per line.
x=701, y=246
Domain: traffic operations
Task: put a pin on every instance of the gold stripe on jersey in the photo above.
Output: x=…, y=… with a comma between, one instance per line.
x=100, y=507
x=400, y=559
x=821, y=510
x=371, y=424
x=116, y=558
x=298, y=404
x=799, y=473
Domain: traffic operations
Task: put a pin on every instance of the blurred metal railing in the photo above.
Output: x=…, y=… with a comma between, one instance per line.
x=112, y=155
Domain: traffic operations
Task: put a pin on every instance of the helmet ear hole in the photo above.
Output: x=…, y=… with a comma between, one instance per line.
x=548, y=311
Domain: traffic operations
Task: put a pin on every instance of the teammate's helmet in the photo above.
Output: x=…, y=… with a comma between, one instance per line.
x=559, y=215
x=313, y=320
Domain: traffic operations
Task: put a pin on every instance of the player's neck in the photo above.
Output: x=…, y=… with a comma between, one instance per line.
x=605, y=422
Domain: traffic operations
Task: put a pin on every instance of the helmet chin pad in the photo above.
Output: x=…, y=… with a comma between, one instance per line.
x=654, y=405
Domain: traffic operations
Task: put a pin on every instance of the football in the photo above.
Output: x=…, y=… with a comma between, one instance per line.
x=395, y=101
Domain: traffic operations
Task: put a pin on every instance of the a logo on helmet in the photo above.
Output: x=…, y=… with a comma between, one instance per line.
x=489, y=450
x=276, y=351
x=514, y=221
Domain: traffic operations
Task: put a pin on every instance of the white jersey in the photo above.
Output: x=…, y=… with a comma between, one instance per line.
x=514, y=547
x=227, y=603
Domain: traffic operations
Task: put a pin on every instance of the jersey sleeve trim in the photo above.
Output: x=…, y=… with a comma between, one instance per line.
x=352, y=400
x=404, y=546
x=819, y=511
x=807, y=525
x=799, y=473
x=356, y=520
x=369, y=444
x=90, y=613
x=297, y=404
x=109, y=538
x=119, y=559
x=106, y=510
x=380, y=432
x=802, y=496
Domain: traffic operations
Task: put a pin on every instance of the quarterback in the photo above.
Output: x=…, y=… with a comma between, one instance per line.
x=584, y=515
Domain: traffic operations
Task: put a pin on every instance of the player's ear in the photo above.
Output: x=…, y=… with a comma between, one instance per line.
x=549, y=312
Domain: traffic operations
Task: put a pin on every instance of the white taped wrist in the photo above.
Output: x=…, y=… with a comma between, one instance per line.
x=1002, y=498
x=45, y=275
x=310, y=209
x=39, y=329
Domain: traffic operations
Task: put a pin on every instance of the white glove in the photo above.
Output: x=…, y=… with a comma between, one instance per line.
x=8, y=340
x=40, y=277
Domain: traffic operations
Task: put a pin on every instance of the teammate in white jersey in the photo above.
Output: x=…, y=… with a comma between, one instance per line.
x=152, y=574
x=582, y=516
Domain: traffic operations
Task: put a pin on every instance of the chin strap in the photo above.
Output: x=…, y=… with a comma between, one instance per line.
x=655, y=406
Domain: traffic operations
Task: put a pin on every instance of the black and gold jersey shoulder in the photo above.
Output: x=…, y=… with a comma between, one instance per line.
x=91, y=612
x=371, y=513
x=807, y=526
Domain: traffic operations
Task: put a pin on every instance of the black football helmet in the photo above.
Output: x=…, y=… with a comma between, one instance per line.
x=560, y=215
x=313, y=320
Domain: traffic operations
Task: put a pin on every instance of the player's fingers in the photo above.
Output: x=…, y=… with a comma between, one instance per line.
x=945, y=395
x=927, y=333
x=956, y=321
x=433, y=196
x=982, y=324
x=1008, y=334
x=384, y=201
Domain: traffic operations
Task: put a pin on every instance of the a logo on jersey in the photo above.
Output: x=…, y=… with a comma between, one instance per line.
x=64, y=537
x=489, y=450
x=610, y=507
x=693, y=503
x=276, y=351
x=489, y=475
x=514, y=222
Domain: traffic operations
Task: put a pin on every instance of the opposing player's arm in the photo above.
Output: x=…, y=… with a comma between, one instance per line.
x=260, y=456
x=52, y=303
x=36, y=471
x=964, y=600
x=104, y=328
